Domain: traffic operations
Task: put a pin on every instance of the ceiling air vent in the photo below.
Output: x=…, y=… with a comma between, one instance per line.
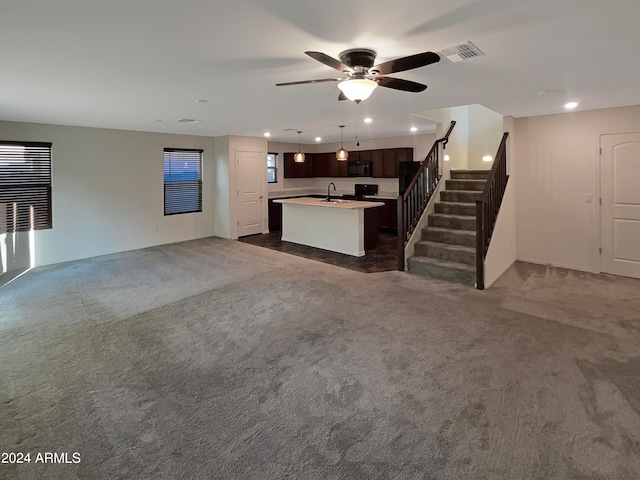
x=458, y=53
x=188, y=120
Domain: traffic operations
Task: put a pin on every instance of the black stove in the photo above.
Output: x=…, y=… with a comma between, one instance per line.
x=365, y=190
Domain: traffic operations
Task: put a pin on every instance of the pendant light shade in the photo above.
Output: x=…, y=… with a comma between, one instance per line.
x=342, y=155
x=357, y=89
x=299, y=157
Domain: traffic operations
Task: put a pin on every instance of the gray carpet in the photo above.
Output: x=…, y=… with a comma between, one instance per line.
x=218, y=359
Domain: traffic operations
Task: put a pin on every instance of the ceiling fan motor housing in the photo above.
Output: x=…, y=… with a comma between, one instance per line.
x=358, y=57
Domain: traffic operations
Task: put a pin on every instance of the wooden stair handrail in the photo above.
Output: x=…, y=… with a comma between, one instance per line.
x=412, y=203
x=488, y=206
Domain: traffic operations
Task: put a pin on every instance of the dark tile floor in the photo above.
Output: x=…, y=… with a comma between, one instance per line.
x=383, y=258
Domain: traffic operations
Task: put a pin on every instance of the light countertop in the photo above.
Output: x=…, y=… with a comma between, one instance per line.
x=335, y=202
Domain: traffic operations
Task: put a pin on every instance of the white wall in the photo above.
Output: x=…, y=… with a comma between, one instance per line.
x=108, y=193
x=557, y=165
x=221, y=192
x=485, y=133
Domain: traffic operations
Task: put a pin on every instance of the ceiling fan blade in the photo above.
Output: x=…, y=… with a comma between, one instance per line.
x=399, y=84
x=406, y=63
x=330, y=61
x=302, y=82
x=342, y=96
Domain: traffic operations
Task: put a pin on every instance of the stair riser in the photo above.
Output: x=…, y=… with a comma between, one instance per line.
x=465, y=197
x=443, y=273
x=455, y=209
x=432, y=251
x=465, y=185
x=469, y=175
x=448, y=237
x=453, y=223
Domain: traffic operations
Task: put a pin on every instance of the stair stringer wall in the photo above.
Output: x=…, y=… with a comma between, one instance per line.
x=416, y=235
x=502, y=248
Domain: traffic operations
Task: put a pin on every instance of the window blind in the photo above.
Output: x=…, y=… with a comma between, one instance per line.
x=182, y=181
x=25, y=186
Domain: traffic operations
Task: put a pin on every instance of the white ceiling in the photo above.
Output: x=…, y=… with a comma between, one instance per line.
x=122, y=63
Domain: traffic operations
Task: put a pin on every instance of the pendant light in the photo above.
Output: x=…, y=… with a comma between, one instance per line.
x=342, y=155
x=299, y=157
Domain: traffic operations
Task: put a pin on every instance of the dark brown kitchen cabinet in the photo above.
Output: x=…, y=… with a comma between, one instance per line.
x=377, y=164
x=338, y=168
x=389, y=163
x=321, y=165
x=384, y=163
x=404, y=155
x=364, y=155
x=297, y=170
x=275, y=216
x=389, y=214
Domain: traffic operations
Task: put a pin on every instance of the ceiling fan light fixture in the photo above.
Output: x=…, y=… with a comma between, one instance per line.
x=357, y=89
x=342, y=155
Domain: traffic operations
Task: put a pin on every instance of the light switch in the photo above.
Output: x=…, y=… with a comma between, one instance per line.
x=588, y=198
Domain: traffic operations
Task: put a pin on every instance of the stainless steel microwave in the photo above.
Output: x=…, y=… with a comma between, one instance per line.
x=359, y=169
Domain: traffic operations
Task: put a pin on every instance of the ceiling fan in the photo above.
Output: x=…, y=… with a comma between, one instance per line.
x=362, y=76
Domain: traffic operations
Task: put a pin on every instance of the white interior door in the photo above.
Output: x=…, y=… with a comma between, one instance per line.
x=250, y=181
x=620, y=211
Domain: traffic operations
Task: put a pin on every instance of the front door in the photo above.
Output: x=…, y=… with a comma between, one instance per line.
x=251, y=173
x=620, y=212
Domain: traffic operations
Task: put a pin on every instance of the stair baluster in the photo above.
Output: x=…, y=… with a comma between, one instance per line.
x=415, y=199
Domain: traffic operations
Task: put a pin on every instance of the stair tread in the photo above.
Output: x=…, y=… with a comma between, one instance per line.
x=448, y=246
x=445, y=263
x=471, y=171
x=476, y=192
x=452, y=216
x=465, y=204
x=452, y=230
x=476, y=180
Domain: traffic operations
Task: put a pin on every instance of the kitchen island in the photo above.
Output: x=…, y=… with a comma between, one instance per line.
x=344, y=226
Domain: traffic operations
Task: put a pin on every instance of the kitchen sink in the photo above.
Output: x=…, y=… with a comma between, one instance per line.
x=334, y=200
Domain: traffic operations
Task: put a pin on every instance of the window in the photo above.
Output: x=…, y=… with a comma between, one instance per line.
x=182, y=181
x=25, y=186
x=272, y=167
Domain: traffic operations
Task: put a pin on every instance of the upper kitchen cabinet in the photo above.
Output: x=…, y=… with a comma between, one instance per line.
x=377, y=164
x=338, y=167
x=404, y=155
x=389, y=163
x=298, y=170
x=384, y=163
x=321, y=164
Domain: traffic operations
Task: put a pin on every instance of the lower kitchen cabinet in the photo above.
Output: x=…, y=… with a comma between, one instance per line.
x=275, y=216
x=389, y=214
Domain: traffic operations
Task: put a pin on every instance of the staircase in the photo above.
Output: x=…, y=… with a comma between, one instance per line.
x=448, y=246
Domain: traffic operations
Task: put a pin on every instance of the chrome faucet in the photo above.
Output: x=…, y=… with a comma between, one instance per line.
x=329, y=191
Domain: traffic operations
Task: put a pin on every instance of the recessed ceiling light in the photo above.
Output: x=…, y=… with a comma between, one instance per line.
x=155, y=120
x=487, y=158
x=414, y=129
x=368, y=120
x=446, y=158
x=188, y=120
x=267, y=134
x=570, y=105
x=318, y=139
x=202, y=100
